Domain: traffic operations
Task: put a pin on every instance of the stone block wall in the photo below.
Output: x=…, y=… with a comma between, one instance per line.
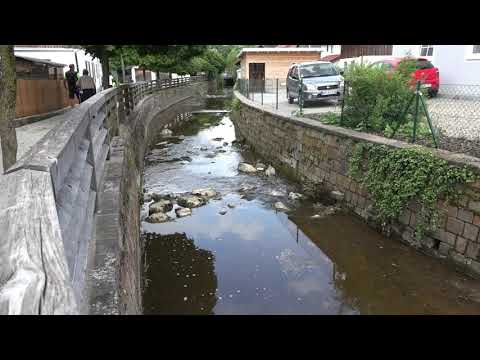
x=315, y=153
x=116, y=270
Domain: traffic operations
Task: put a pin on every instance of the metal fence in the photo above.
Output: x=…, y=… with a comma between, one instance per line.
x=454, y=111
x=268, y=92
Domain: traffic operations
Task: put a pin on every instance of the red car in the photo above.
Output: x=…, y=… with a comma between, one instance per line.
x=428, y=74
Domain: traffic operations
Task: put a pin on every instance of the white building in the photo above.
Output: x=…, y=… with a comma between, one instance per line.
x=65, y=55
x=458, y=64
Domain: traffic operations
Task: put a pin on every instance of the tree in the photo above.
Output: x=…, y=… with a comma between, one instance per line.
x=8, y=93
x=168, y=58
x=102, y=52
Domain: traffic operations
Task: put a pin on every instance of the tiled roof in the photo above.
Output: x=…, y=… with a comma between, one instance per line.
x=330, y=57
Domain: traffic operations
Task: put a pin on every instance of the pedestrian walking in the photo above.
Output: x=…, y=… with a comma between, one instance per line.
x=70, y=83
x=86, y=85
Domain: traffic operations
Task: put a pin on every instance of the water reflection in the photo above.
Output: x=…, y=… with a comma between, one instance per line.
x=183, y=276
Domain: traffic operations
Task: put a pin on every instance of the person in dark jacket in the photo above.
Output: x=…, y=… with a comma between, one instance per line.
x=86, y=86
x=70, y=83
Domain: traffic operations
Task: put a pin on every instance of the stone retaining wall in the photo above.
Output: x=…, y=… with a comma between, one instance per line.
x=316, y=153
x=116, y=274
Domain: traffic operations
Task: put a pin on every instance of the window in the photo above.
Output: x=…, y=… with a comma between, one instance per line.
x=426, y=50
x=472, y=52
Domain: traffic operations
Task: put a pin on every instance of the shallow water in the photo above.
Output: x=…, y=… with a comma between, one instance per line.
x=255, y=260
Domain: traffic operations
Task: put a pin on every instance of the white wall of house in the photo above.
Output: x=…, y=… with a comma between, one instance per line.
x=457, y=63
x=66, y=56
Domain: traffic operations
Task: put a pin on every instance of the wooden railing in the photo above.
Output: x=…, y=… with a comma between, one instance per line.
x=48, y=202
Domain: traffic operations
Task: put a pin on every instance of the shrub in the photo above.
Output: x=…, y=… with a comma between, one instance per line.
x=375, y=98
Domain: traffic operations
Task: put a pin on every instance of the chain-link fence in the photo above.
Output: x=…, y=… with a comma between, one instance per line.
x=268, y=92
x=454, y=111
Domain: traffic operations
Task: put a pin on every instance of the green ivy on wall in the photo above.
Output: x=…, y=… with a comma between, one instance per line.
x=394, y=177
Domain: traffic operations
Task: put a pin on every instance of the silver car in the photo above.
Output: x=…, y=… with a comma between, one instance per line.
x=320, y=81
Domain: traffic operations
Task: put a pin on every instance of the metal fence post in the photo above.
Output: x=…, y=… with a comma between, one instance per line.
x=276, y=101
x=343, y=102
x=300, y=96
x=415, y=120
x=262, y=82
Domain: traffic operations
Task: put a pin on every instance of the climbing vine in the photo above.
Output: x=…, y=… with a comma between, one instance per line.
x=394, y=177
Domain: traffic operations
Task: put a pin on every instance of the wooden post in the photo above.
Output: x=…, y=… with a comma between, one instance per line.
x=8, y=93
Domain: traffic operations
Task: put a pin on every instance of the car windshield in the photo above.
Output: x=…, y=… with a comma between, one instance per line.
x=316, y=70
x=424, y=64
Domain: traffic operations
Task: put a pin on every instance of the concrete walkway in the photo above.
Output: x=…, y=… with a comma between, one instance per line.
x=28, y=135
x=269, y=101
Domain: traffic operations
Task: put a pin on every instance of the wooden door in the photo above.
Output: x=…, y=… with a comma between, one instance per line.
x=256, y=74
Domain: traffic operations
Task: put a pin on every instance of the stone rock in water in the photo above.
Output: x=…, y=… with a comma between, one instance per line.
x=270, y=171
x=204, y=148
x=260, y=165
x=158, y=218
x=182, y=212
x=166, y=132
x=225, y=143
x=181, y=137
x=231, y=206
x=161, y=206
x=294, y=196
x=246, y=168
x=218, y=139
x=162, y=143
x=190, y=201
x=147, y=197
x=337, y=195
x=209, y=193
x=158, y=197
x=222, y=212
x=281, y=206
x=246, y=188
x=276, y=193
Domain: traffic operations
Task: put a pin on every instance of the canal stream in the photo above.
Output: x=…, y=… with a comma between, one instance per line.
x=238, y=255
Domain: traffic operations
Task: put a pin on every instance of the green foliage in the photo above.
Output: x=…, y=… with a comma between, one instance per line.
x=330, y=118
x=235, y=104
x=394, y=177
x=376, y=98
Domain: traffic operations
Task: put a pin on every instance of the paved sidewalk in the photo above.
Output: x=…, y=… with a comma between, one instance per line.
x=269, y=101
x=28, y=135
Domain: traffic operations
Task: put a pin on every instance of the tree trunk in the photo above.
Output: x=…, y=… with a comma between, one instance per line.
x=8, y=94
x=105, y=71
x=123, y=69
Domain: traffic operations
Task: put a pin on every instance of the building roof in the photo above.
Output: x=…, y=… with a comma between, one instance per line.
x=330, y=57
x=41, y=61
x=278, y=49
